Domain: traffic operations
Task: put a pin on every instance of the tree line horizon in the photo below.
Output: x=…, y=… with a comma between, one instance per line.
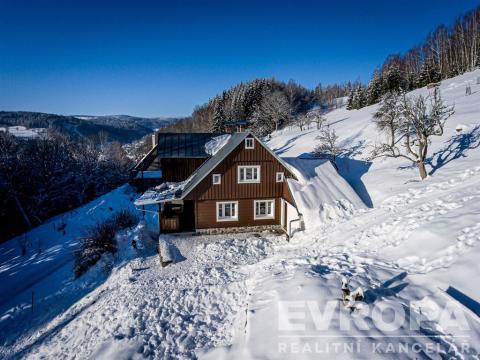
x=268, y=104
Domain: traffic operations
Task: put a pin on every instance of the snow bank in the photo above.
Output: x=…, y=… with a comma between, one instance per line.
x=320, y=193
x=218, y=142
x=165, y=250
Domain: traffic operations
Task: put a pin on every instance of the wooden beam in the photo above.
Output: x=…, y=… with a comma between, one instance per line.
x=159, y=218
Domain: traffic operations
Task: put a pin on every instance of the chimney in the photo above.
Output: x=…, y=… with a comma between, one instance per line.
x=154, y=140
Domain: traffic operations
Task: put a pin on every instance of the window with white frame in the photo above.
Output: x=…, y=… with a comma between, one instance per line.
x=216, y=179
x=227, y=211
x=264, y=209
x=249, y=174
x=280, y=176
x=249, y=143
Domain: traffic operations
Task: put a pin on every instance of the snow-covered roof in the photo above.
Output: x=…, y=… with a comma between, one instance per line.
x=214, y=145
x=319, y=191
x=183, y=144
x=162, y=193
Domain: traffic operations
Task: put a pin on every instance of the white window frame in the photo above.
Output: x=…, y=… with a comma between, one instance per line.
x=250, y=143
x=264, y=217
x=280, y=177
x=219, y=177
x=255, y=181
x=222, y=204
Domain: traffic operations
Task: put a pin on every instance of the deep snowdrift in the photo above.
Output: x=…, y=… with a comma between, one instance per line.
x=320, y=193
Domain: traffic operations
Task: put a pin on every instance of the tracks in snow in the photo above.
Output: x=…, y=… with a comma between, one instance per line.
x=392, y=224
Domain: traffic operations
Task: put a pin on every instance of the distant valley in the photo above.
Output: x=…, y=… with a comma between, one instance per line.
x=121, y=128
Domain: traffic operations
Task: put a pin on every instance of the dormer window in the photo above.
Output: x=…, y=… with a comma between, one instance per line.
x=249, y=143
x=216, y=179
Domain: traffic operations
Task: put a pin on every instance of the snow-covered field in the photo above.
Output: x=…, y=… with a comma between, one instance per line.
x=257, y=296
x=23, y=132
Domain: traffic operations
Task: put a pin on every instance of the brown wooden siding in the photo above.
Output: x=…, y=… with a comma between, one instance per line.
x=287, y=194
x=229, y=189
x=179, y=169
x=206, y=212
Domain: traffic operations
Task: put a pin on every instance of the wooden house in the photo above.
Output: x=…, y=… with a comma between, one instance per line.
x=241, y=186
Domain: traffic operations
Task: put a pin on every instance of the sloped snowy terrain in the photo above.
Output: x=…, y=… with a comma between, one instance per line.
x=408, y=245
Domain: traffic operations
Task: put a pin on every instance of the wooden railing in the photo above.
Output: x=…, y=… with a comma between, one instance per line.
x=169, y=224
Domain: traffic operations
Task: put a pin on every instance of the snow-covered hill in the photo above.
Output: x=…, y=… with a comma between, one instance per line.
x=414, y=249
x=449, y=154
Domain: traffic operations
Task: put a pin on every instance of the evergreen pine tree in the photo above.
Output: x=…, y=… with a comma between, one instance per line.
x=362, y=96
x=350, y=100
x=359, y=97
x=218, y=119
x=374, y=90
x=428, y=74
x=392, y=79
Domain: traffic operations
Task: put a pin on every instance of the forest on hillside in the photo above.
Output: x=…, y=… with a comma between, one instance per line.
x=268, y=104
x=446, y=52
x=45, y=176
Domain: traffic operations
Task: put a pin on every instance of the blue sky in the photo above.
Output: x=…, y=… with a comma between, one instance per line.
x=161, y=58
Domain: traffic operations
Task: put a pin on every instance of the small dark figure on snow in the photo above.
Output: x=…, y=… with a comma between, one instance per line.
x=350, y=298
x=345, y=291
x=134, y=244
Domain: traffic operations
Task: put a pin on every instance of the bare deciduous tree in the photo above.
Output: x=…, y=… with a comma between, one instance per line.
x=316, y=116
x=328, y=145
x=409, y=123
x=302, y=121
x=277, y=108
x=274, y=111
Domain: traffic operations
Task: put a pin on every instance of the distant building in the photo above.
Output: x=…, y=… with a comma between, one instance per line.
x=236, y=126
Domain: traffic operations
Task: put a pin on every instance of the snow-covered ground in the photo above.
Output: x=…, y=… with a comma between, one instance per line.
x=245, y=296
x=23, y=132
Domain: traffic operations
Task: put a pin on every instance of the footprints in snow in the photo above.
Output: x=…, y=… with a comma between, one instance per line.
x=467, y=238
x=412, y=195
x=406, y=219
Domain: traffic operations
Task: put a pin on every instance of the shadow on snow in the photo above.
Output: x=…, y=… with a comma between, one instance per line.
x=456, y=148
x=386, y=289
x=352, y=171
